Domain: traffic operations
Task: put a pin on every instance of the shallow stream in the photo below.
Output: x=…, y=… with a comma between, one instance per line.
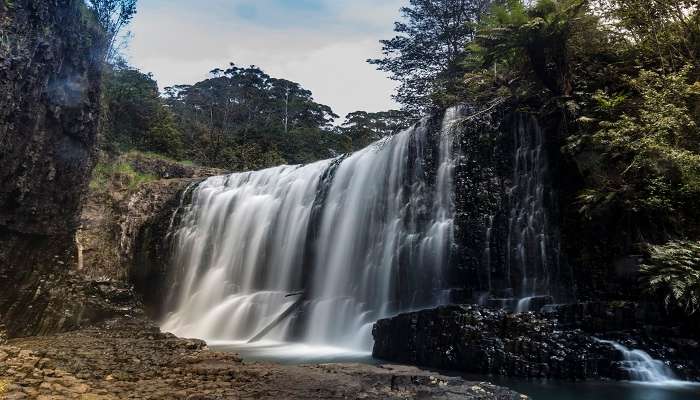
x=286, y=353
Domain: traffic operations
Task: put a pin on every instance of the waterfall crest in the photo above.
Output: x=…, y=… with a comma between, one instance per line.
x=347, y=241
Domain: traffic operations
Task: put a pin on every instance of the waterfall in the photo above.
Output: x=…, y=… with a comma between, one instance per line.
x=641, y=367
x=317, y=253
x=528, y=236
x=524, y=304
x=519, y=264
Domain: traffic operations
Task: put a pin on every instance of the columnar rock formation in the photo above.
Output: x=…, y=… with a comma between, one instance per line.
x=50, y=81
x=559, y=343
x=49, y=77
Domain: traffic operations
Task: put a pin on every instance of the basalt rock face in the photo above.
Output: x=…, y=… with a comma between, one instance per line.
x=479, y=340
x=507, y=241
x=484, y=341
x=50, y=80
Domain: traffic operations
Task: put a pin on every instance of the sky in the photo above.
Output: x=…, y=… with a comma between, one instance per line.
x=321, y=44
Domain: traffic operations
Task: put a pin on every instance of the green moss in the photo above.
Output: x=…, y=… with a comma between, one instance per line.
x=121, y=173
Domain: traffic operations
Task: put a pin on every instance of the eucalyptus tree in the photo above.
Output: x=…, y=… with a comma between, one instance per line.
x=430, y=40
x=113, y=16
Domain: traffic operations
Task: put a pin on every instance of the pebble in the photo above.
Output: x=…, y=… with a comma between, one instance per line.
x=117, y=360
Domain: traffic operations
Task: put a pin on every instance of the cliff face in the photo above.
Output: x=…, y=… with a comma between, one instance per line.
x=49, y=109
x=507, y=241
x=116, y=210
x=50, y=81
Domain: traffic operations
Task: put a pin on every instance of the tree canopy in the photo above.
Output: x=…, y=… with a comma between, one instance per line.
x=113, y=16
x=364, y=127
x=423, y=56
x=242, y=107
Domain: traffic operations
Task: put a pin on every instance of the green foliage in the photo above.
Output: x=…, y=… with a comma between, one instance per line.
x=664, y=33
x=529, y=43
x=673, y=271
x=112, y=16
x=239, y=119
x=624, y=73
x=120, y=172
x=163, y=136
x=134, y=116
x=242, y=118
x=650, y=146
x=364, y=128
x=424, y=55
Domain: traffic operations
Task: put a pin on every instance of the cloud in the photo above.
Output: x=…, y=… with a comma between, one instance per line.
x=322, y=44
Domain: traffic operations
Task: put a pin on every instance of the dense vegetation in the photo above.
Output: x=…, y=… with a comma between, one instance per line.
x=238, y=119
x=618, y=81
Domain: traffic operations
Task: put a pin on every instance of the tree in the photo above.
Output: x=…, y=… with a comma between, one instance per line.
x=135, y=116
x=538, y=34
x=113, y=16
x=242, y=118
x=364, y=128
x=431, y=39
x=666, y=32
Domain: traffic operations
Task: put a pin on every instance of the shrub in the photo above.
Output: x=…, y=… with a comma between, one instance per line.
x=673, y=270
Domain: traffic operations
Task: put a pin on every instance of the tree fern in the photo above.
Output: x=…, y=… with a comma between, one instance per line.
x=673, y=270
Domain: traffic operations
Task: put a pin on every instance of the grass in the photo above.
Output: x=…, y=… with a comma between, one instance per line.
x=157, y=156
x=119, y=171
x=106, y=174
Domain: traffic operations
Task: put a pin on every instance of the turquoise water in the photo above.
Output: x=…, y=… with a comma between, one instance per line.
x=286, y=353
x=597, y=390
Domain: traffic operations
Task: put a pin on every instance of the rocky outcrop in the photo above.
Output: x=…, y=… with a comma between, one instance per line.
x=479, y=340
x=152, y=248
x=111, y=224
x=124, y=230
x=131, y=358
x=50, y=80
x=41, y=294
x=167, y=169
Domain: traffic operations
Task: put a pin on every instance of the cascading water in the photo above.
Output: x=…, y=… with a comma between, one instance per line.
x=520, y=261
x=641, y=367
x=346, y=241
x=527, y=224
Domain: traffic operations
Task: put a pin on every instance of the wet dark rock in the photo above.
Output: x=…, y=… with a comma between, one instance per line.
x=49, y=108
x=50, y=83
x=476, y=339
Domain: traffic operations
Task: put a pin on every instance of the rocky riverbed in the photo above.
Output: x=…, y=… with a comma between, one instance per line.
x=133, y=359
